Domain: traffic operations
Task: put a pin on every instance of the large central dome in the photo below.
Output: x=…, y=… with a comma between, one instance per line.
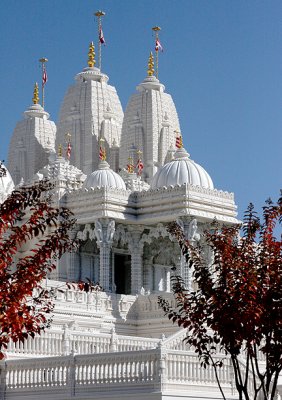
x=181, y=170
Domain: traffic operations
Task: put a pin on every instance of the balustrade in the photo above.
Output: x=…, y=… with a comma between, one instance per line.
x=139, y=369
x=52, y=343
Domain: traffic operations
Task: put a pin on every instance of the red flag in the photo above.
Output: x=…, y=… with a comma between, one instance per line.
x=102, y=154
x=44, y=77
x=68, y=151
x=158, y=45
x=101, y=36
x=178, y=142
x=140, y=166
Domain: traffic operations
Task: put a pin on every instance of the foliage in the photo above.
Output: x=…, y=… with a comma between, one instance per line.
x=28, y=217
x=236, y=306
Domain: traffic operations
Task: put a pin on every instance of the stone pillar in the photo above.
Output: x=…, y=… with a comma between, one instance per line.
x=66, y=341
x=105, y=251
x=114, y=340
x=3, y=376
x=104, y=231
x=114, y=156
x=148, y=276
x=73, y=260
x=191, y=232
x=162, y=364
x=136, y=251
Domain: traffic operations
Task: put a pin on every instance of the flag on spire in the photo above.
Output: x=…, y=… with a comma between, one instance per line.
x=140, y=166
x=102, y=150
x=178, y=142
x=101, y=36
x=102, y=154
x=158, y=45
x=44, y=75
x=68, y=152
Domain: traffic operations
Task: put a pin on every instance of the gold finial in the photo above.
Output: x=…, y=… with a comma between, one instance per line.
x=60, y=150
x=35, y=98
x=43, y=60
x=68, y=137
x=151, y=65
x=91, y=55
x=130, y=166
x=99, y=13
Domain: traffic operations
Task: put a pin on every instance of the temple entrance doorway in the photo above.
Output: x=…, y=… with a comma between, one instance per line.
x=122, y=273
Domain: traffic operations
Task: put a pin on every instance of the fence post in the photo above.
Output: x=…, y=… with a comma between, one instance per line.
x=162, y=364
x=3, y=376
x=71, y=375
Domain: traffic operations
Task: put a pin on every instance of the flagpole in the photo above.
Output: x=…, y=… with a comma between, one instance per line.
x=156, y=29
x=68, y=143
x=99, y=14
x=43, y=60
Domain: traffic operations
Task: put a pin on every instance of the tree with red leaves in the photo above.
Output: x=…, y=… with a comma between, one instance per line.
x=236, y=306
x=27, y=218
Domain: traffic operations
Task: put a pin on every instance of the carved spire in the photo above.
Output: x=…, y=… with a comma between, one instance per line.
x=35, y=98
x=91, y=55
x=151, y=65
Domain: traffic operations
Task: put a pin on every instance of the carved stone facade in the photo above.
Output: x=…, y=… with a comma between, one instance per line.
x=116, y=343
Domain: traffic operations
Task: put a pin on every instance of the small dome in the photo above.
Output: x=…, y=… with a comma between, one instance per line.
x=104, y=176
x=181, y=170
x=6, y=183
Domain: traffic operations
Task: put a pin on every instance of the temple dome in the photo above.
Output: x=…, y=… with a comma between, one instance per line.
x=6, y=185
x=181, y=170
x=104, y=176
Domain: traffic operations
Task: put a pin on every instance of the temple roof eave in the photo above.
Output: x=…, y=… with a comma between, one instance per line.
x=153, y=206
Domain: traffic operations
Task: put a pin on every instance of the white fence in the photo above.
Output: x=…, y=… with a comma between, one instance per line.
x=57, y=343
x=152, y=370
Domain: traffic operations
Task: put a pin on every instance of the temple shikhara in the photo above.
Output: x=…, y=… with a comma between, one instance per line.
x=124, y=175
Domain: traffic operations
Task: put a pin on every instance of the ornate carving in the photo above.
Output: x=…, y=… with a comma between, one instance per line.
x=98, y=231
x=190, y=229
x=82, y=235
x=110, y=231
x=121, y=235
x=104, y=232
x=155, y=233
x=193, y=234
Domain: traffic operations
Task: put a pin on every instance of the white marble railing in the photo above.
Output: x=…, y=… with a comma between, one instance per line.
x=56, y=343
x=156, y=368
x=182, y=366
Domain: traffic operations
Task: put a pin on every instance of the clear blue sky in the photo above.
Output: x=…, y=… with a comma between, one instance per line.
x=222, y=64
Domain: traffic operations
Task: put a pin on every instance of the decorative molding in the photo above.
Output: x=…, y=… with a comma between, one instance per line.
x=156, y=232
